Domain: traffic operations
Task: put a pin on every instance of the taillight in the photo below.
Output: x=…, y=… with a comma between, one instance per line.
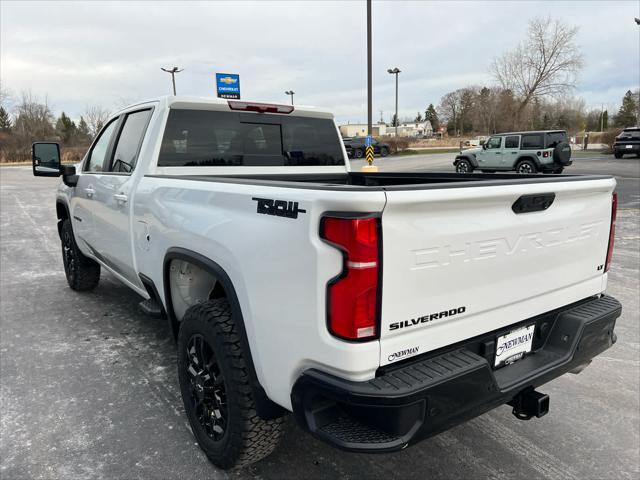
x=260, y=107
x=612, y=230
x=352, y=297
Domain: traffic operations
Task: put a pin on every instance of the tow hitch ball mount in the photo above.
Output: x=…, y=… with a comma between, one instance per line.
x=529, y=403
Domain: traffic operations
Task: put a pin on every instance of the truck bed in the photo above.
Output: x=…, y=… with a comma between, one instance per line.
x=386, y=180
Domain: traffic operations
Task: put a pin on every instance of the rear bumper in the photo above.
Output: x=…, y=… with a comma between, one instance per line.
x=624, y=147
x=429, y=394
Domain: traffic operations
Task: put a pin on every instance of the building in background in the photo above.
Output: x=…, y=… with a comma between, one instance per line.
x=405, y=129
x=360, y=130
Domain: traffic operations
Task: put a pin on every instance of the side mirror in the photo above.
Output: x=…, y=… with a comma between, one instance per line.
x=45, y=157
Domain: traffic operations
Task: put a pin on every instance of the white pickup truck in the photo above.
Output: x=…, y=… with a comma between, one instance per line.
x=379, y=308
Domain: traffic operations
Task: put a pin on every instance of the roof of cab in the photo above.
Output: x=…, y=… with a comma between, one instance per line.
x=213, y=103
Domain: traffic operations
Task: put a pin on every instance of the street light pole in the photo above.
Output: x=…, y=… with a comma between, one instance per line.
x=369, y=74
x=395, y=71
x=173, y=72
x=292, y=93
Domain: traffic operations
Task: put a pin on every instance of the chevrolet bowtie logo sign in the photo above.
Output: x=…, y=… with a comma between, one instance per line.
x=228, y=85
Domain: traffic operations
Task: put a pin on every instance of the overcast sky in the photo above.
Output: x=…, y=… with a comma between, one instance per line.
x=110, y=53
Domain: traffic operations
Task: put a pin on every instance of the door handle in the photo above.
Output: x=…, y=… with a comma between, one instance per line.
x=89, y=191
x=120, y=197
x=498, y=153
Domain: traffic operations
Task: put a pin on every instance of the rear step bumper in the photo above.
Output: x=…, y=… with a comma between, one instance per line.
x=429, y=395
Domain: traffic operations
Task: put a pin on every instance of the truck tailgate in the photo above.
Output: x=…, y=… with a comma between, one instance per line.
x=459, y=262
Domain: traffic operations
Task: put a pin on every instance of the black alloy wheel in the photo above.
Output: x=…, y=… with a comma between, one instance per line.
x=207, y=389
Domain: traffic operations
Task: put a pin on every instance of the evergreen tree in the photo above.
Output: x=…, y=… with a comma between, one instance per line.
x=66, y=129
x=5, y=121
x=418, y=118
x=394, y=121
x=605, y=120
x=627, y=115
x=431, y=115
x=83, y=133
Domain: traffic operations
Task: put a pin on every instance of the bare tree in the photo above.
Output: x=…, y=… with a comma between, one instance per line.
x=5, y=96
x=33, y=119
x=449, y=109
x=95, y=116
x=547, y=63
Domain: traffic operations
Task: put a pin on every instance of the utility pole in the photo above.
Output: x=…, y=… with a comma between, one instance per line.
x=602, y=118
x=292, y=93
x=173, y=72
x=369, y=74
x=395, y=71
x=370, y=167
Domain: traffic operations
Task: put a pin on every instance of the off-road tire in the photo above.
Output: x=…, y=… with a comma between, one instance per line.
x=358, y=153
x=82, y=272
x=618, y=154
x=464, y=166
x=384, y=151
x=526, y=167
x=247, y=437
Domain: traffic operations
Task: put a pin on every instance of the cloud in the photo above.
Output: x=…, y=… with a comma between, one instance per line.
x=101, y=52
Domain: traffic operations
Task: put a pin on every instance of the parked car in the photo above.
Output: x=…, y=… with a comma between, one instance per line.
x=379, y=308
x=356, y=149
x=628, y=142
x=524, y=152
x=476, y=142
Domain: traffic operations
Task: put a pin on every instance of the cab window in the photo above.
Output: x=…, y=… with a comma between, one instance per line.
x=494, y=142
x=512, y=142
x=98, y=153
x=126, y=151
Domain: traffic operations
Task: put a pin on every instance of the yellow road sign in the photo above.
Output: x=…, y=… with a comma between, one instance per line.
x=369, y=154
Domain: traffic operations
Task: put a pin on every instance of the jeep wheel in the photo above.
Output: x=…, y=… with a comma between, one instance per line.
x=384, y=152
x=464, y=166
x=357, y=153
x=216, y=390
x=618, y=154
x=526, y=166
x=82, y=272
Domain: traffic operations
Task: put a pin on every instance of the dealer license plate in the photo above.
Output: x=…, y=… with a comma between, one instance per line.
x=513, y=346
x=629, y=146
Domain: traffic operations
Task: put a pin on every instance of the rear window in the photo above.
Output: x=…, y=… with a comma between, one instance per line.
x=209, y=138
x=555, y=138
x=532, y=141
x=635, y=134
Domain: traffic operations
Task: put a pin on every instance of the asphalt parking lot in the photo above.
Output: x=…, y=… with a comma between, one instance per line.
x=88, y=384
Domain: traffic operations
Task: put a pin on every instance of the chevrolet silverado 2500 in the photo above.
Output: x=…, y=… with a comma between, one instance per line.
x=379, y=308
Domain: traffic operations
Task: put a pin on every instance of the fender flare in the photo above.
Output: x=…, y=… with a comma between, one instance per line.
x=265, y=407
x=470, y=157
x=533, y=158
x=61, y=205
